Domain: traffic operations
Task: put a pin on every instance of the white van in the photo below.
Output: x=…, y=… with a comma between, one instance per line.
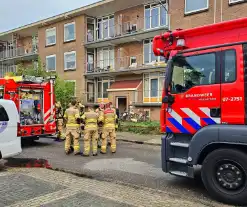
x=10, y=143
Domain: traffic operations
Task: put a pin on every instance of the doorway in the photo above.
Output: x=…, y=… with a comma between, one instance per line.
x=121, y=104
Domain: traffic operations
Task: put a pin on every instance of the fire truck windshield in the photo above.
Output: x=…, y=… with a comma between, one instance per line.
x=189, y=71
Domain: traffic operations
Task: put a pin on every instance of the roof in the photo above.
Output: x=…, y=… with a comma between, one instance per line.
x=125, y=85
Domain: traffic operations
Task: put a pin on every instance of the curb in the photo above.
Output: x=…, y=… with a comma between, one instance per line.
x=138, y=142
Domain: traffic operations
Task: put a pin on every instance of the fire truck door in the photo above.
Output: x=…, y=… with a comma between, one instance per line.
x=232, y=85
x=196, y=89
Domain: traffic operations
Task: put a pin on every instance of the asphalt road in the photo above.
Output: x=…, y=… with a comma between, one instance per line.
x=134, y=165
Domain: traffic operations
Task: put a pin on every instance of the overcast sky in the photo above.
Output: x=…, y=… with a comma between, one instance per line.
x=15, y=13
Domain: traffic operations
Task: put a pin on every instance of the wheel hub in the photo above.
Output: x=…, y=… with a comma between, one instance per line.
x=230, y=176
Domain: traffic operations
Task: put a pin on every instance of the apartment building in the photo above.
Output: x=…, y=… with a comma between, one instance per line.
x=105, y=48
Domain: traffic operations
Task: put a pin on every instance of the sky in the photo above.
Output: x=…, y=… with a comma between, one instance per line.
x=16, y=13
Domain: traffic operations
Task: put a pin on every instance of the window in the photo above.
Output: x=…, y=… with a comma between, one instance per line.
x=194, y=6
x=105, y=27
x=3, y=114
x=105, y=58
x=153, y=84
x=51, y=63
x=149, y=56
x=51, y=36
x=193, y=71
x=71, y=86
x=69, y=32
x=102, y=86
x=235, y=1
x=70, y=60
x=229, y=69
x=155, y=15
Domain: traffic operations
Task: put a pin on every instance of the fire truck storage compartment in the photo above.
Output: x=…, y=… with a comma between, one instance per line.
x=31, y=106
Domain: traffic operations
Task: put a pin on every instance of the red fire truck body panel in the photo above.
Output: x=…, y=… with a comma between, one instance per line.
x=197, y=101
x=45, y=107
x=204, y=106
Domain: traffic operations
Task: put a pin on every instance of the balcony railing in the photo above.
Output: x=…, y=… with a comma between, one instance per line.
x=17, y=52
x=4, y=70
x=139, y=97
x=125, y=63
x=111, y=29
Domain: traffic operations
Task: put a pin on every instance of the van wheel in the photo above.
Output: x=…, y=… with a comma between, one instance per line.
x=224, y=174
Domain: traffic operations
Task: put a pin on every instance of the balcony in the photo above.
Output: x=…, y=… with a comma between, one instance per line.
x=135, y=98
x=7, y=69
x=134, y=29
x=125, y=65
x=20, y=53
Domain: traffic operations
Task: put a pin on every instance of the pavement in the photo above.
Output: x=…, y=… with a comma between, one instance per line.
x=139, y=139
x=42, y=187
x=134, y=168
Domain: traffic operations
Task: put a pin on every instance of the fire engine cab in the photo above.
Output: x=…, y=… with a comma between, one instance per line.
x=204, y=106
x=35, y=101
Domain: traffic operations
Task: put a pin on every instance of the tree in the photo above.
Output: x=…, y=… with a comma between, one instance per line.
x=64, y=90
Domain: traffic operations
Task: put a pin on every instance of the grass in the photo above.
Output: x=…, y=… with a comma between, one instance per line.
x=150, y=127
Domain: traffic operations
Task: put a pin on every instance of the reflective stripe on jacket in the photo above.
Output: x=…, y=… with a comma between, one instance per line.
x=71, y=115
x=91, y=120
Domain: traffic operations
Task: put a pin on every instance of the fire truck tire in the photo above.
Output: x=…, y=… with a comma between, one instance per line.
x=224, y=174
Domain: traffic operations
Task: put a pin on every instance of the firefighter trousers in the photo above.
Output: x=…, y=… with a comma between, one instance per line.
x=112, y=134
x=60, y=134
x=90, y=136
x=72, y=134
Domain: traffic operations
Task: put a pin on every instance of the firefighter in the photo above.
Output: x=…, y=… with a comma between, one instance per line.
x=72, y=118
x=100, y=111
x=90, y=118
x=59, y=122
x=109, y=119
x=81, y=111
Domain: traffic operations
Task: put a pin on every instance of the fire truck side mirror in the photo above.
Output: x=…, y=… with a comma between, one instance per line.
x=169, y=99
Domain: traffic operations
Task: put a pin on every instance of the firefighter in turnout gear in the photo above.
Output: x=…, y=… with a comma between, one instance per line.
x=72, y=118
x=100, y=111
x=90, y=118
x=59, y=122
x=109, y=119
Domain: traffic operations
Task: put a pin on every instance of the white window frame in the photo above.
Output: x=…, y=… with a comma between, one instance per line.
x=51, y=56
x=68, y=24
x=65, y=65
x=150, y=52
x=102, y=81
x=101, y=50
x=197, y=10
x=103, y=19
x=235, y=1
x=159, y=15
x=48, y=30
x=150, y=77
x=74, y=81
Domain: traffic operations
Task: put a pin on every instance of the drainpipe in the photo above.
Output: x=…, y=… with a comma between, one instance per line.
x=215, y=5
x=221, y=11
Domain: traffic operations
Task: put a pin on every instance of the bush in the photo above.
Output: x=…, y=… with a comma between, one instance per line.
x=150, y=127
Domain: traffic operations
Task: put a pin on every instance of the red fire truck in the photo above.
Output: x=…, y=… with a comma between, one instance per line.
x=35, y=100
x=204, y=106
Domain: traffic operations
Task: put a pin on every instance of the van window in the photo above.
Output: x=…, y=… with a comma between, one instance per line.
x=3, y=114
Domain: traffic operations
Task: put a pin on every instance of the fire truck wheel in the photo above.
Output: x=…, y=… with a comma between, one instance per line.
x=224, y=174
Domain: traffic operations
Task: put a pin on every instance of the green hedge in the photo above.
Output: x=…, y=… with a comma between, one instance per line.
x=140, y=127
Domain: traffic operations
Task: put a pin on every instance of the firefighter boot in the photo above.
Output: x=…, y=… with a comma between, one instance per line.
x=95, y=142
x=86, y=143
x=113, y=141
x=103, y=143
